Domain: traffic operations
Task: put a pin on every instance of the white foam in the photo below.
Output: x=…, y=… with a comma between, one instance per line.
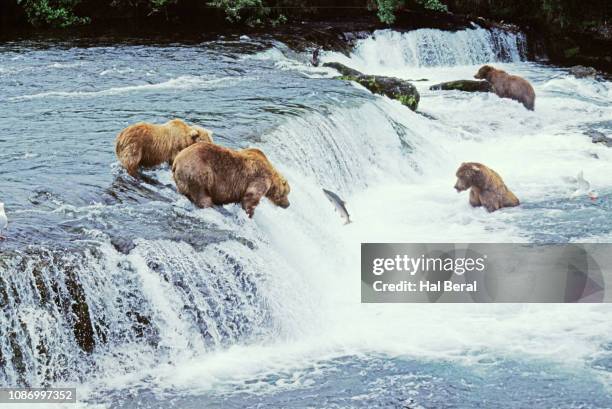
x=286, y=59
x=182, y=82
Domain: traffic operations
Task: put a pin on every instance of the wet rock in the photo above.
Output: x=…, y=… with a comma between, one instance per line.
x=463, y=85
x=143, y=328
x=122, y=244
x=354, y=36
x=43, y=293
x=394, y=88
x=18, y=360
x=343, y=69
x=4, y=297
x=599, y=137
x=580, y=71
x=82, y=325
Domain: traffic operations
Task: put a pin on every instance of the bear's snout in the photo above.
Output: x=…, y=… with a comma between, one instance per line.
x=285, y=205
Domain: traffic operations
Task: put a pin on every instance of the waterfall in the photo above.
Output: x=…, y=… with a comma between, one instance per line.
x=431, y=48
x=59, y=306
x=165, y=299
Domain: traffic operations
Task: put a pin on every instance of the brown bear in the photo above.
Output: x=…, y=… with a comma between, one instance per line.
x=149, y=145
x=214, y=175
x=487, y=187
x=508, y=86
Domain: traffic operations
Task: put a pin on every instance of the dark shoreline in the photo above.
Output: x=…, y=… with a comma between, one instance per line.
x=336, y=33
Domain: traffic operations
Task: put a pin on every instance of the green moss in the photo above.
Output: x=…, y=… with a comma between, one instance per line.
x=409, y=101
x=348, y=78
x=373, y=85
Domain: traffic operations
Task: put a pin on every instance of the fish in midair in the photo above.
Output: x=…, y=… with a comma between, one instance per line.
x=3, y=220
x=583, y=187
x=339, y=205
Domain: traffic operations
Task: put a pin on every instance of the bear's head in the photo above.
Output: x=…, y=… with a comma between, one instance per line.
x=469, y=174
x=484, y=72
x=279, y=191
x=199, y=134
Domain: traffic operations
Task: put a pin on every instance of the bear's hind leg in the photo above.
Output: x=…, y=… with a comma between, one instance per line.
x=130, y=160
x=202, y=200
x=492, y=201
x=132, y=169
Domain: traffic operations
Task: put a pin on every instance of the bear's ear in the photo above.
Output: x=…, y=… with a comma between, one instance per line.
x=194, y=134
x=475, y=168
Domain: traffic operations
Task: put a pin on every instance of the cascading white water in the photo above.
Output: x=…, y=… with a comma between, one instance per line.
x=432, y=48
x=163, y=296
x=354, y=157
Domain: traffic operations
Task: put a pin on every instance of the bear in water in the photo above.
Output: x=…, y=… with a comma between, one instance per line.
x=487, y=187
x=214, y=175
x=508, y=86
x=149, y=145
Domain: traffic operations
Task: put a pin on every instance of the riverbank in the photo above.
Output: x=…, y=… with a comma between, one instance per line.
x=592, y=47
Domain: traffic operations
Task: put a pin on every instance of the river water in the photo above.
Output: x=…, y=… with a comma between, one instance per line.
x=128, y=292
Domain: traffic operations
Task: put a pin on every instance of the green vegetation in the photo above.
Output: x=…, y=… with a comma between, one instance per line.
x=571, y=52
x=387, y=8
x=56, y=13
x=64, y=13
x=576, y=15
x=250, y=12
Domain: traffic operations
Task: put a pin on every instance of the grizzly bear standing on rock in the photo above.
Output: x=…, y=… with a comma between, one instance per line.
x=213, y=175
x=487, y=187
x=508, y=86
x=149, y=145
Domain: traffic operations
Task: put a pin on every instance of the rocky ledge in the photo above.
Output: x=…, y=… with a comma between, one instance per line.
x=392, y=87
x=463, y=85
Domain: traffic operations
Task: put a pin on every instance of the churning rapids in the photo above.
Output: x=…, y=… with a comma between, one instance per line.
x=141, y=300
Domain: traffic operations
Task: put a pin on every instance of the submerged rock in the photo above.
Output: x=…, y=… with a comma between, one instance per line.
x=580, y=71
x=392, y=87
x=122, y=244
x=599, y=137
x=463, y=85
